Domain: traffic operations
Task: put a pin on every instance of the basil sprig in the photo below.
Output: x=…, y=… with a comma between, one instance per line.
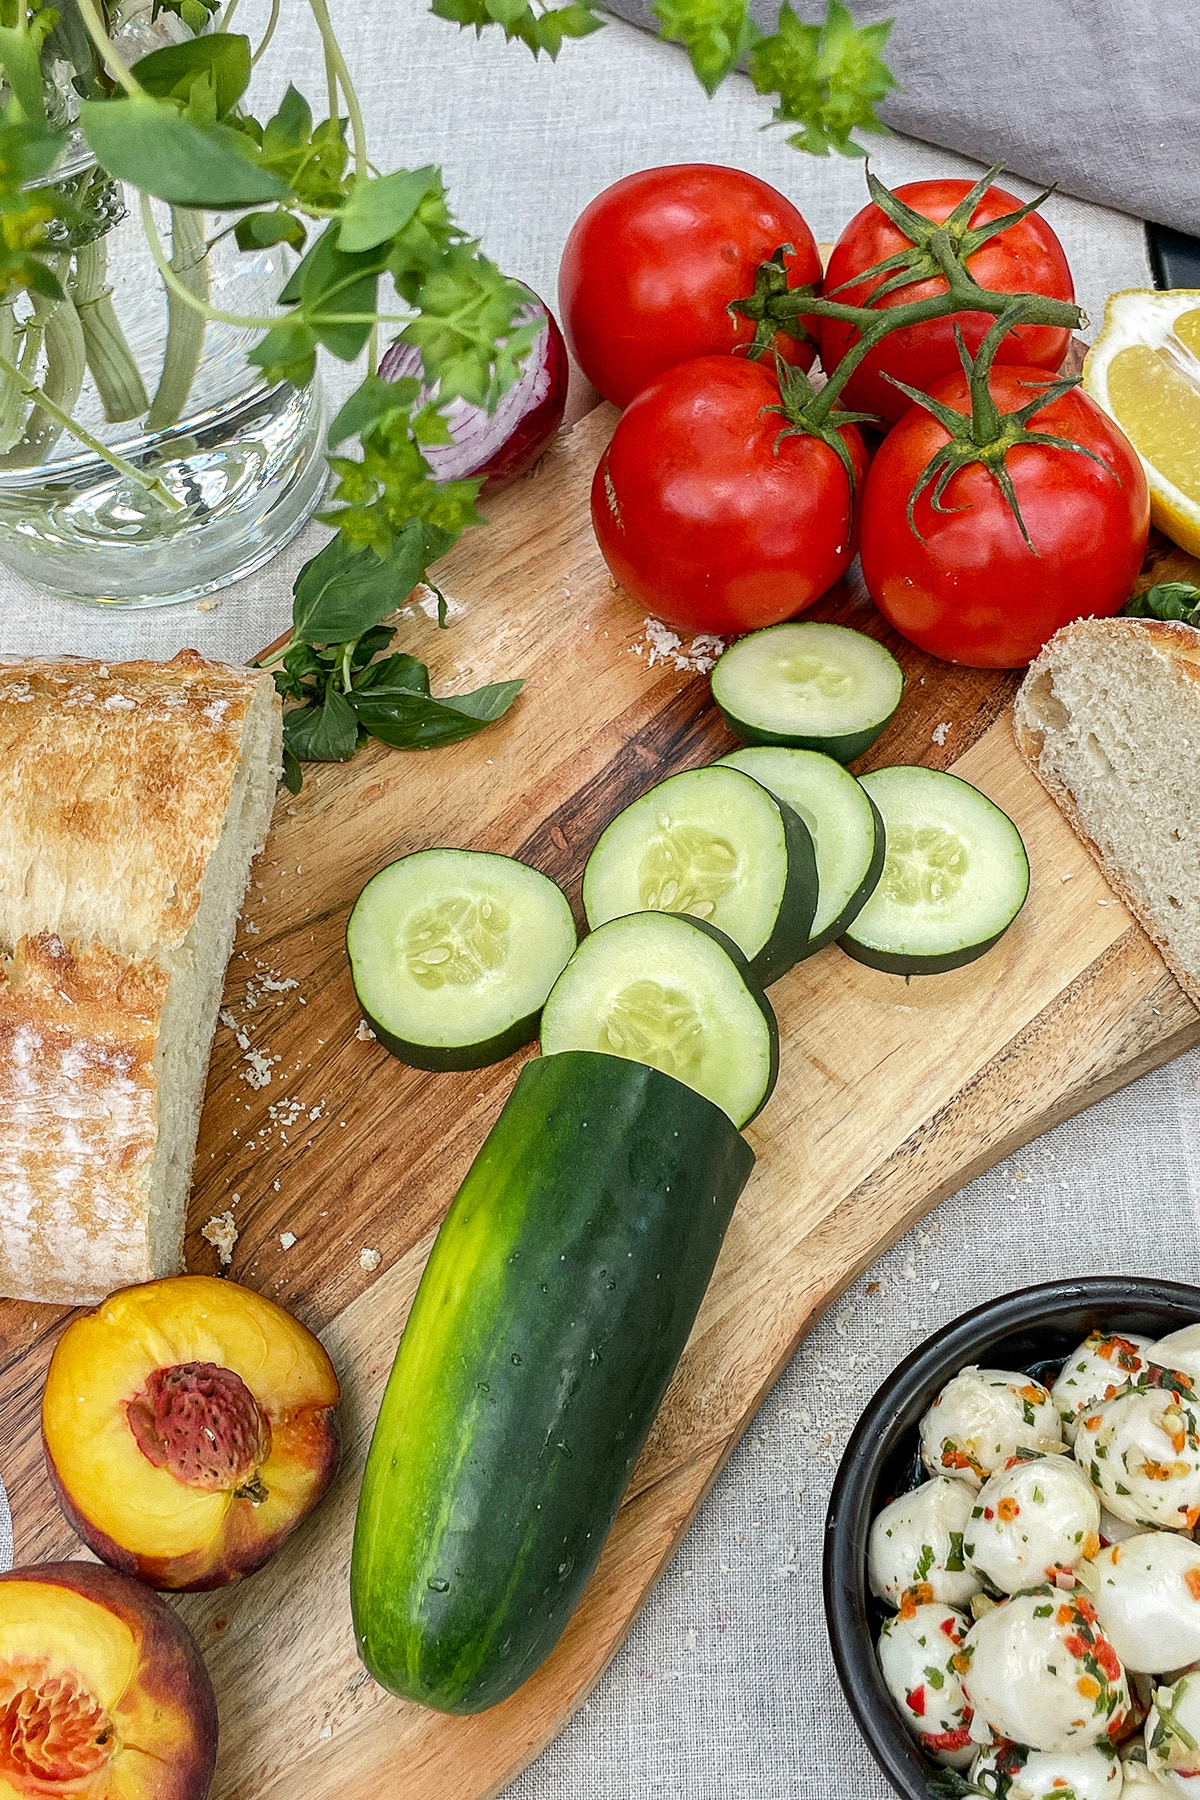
x=1167, y=600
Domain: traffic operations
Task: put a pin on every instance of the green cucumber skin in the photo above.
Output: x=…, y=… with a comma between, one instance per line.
x=755, y=986
x=464, y=1056
x=896, y=962
x=870, y=882
x=555, y=1305
x=789, y=943
x=843, y=749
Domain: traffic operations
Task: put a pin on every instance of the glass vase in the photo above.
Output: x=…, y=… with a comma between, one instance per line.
x=222, y=467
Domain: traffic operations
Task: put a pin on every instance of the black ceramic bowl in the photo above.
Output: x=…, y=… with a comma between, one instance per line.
x=1034, y=1330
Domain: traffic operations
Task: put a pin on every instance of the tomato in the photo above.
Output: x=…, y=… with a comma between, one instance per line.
x=706, y=516
x=1025, y=259
x=972, y=591
x=652, y=263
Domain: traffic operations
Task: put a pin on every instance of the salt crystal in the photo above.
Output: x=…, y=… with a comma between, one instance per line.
x=363, y=1032
x=222, y=1234
x=370, y=1260
x=287, y=1239
x=941, y=732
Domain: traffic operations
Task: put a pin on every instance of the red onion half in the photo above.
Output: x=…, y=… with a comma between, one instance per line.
x=500, y=445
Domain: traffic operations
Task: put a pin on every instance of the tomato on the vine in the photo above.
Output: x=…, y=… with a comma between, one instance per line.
x=653, y=262
x=965, y=584
x=710, y=513
x=1025, y=257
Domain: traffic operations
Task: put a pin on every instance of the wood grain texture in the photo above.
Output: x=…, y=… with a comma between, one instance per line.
x=891, y=1096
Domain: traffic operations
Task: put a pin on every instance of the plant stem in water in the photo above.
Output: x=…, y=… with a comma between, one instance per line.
x=66, y=365
x=12, y=400
x=118, y=380
x=185, y=331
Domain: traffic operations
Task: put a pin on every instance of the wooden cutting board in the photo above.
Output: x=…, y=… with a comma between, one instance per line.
x=338, y=1163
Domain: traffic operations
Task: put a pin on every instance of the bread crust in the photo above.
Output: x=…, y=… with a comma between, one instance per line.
x=1180, y=645
x=115, y=781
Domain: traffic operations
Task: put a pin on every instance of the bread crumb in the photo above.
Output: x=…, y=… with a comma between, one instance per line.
x=222, y=1234
x=287, y=1239
x=209, y=604
x=941, y=732
x=666, y=645
x=370, y=1259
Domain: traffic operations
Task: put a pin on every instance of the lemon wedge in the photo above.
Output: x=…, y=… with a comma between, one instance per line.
x=1144, y=370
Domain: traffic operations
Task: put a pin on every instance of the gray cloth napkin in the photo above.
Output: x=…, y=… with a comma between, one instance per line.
x=1099, y=96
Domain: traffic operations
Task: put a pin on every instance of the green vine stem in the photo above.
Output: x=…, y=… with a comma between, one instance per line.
x=186, y=325
x=12, y=401
x=109, y=359
x=38, y=397
x=66, y=366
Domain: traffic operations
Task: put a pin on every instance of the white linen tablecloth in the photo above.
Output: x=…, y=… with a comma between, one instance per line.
x=725, y=1688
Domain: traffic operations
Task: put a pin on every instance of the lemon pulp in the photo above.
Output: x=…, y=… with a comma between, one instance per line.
x=1158, y=406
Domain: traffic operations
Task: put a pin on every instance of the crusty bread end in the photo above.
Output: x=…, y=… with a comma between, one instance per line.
x=1108, y=719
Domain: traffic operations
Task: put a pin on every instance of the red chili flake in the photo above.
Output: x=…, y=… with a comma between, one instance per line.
x=988, y=1514
x=916, y=1701
x=1106, y=1656
x=946, y=1740
x=1086, y=1610
x=1076, y=1646
x=950, y=1629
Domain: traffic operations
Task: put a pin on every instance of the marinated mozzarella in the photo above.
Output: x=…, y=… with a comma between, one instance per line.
x=1103, y=1364
x=1141, y=1783
x=1035, y=1521
x=1179, y=1350
x=917, y=1542
x=1142, y=1452
x=1093, y=1774
x=1038, y=1670
x=1173, y=1736
x=982, y=1418
x=918, y=1648
x=1147, y=1593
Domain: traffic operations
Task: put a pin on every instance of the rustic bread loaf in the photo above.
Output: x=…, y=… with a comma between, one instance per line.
x=133, y=798
x=1108, y=719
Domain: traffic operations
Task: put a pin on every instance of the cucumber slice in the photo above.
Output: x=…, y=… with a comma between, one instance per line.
x=453, y=952
x=808, y=686
x=955, y=875
x=674, y=993
x=715, y=844
x=843, y=822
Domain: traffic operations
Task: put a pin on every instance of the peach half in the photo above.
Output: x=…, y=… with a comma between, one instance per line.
x=189, y=1425
x=103, y=1694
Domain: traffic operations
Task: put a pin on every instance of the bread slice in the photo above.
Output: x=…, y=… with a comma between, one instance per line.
x=1108, y=719
x=133, y=799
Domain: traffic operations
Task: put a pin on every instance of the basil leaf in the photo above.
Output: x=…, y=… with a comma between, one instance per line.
x=341, y=592
x=328, y=280
x=412, y=721
x=716, y=37
x=369, y=645
x=1167, y=600
x=258, y=231
x=221, y=60
x=293, y=774
x=370, y=403
x=397, y=671
x=151, y=144
x=324, y=733
x=378, y=208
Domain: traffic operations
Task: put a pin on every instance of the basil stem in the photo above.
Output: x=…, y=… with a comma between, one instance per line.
x=186, y=324
x=12, y=399
x=66, y=365
x=116, y=375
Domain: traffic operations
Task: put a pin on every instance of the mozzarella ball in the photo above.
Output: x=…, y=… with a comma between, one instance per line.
x=917, y=1542
x=1038, y=1670
x=1093, y=1774
x=1034, y=1519
x=1147, y=1593
x=1142, y=1452
x=917, y=1650
x=1173, y=1736
x=981, y=1418
x=1097, y=1371
x=1180, y=1350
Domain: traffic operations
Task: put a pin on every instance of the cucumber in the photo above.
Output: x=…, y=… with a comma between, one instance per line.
x=674, y=993
x=453, y=952
x=955, y=875
x=712, y=843
x=808, y=686
x=551, y=1314
x=843, y=822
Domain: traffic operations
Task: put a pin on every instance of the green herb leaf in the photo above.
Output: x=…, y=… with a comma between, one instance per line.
x=373, y=401
x=543, y=29
x=715, y=33
x=335, y=293
x=828, y=78
x=293, y=774
x=343, y=592
x=322, y=733
x=1167, y=600
x=150, y=143
x=415, y=721
x=399, y=671
x=23, y=70
x=218, y=63
x=381, y=207
x=258, y=231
